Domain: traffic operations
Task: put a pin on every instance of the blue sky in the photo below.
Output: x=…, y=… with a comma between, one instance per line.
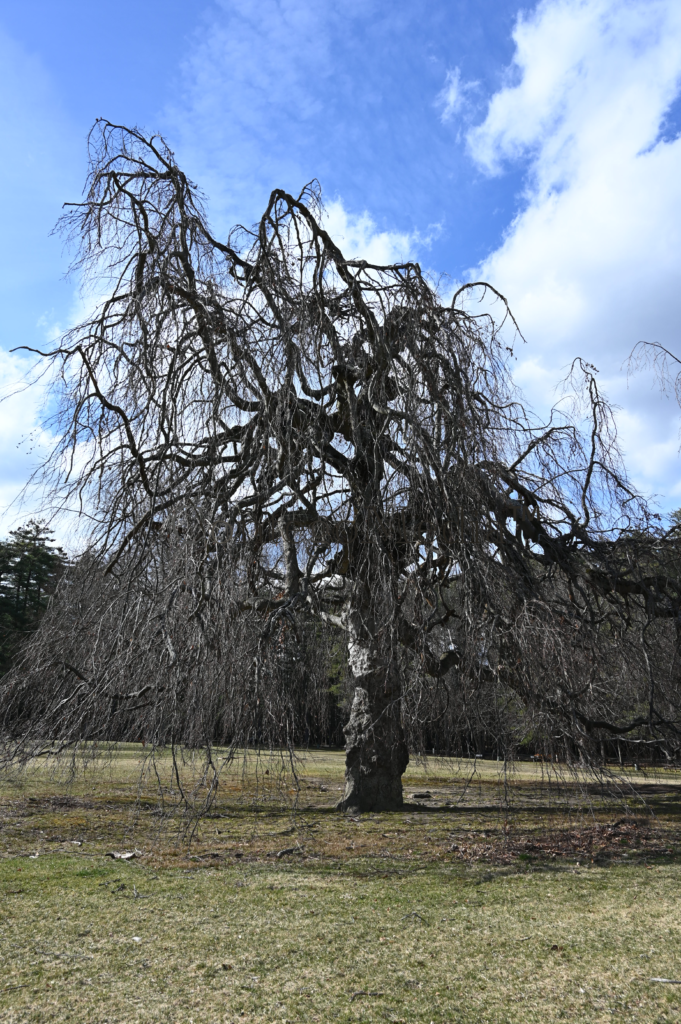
x=537, y=146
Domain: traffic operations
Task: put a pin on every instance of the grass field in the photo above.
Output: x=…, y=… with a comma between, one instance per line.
x=493, y=897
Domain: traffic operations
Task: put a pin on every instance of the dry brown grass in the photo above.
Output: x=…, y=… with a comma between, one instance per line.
x=473, y=811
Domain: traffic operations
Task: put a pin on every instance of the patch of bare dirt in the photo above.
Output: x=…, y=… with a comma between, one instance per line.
x=620, y=840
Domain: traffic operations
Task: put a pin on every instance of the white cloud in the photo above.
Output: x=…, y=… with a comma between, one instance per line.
x=359, y=238
x=591, y=265
x=26, y=438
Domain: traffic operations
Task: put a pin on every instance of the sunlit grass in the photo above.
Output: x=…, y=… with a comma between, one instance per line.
x=94, y=941
x=493, y=896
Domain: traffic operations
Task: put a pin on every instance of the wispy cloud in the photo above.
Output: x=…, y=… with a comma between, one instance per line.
x=257, y=85
x=277, y=93
x=455, y=95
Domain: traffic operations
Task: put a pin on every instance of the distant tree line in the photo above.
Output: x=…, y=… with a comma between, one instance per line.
x=307, y=669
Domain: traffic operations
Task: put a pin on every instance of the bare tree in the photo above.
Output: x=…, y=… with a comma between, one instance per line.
x=266, y=434
x=651, y=355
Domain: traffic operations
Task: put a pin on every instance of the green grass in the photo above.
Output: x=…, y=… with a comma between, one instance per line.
x=459, y=911
x=305, y=943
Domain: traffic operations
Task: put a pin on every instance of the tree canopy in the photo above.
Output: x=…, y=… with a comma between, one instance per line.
x=272, y=439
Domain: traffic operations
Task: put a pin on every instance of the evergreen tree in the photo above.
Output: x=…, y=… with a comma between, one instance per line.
x=30, y=565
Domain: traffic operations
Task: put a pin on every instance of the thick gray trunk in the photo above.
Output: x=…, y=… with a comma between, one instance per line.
x=376, y=751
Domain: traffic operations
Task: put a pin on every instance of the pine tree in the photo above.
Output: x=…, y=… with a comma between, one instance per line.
x=30, y=565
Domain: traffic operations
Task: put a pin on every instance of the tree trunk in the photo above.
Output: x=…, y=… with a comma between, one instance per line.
x=376, y=751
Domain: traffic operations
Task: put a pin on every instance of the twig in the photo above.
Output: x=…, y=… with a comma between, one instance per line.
x=414, y=914
x=65, y=956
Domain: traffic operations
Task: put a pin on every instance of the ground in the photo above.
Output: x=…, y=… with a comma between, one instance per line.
x=495, y=896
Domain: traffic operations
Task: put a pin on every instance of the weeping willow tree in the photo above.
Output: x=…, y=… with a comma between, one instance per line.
x=285, y=453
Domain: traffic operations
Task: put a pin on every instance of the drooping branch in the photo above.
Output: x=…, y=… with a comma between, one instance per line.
x=270, y=437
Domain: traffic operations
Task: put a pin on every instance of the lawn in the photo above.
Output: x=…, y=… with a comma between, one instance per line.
x=492, y=897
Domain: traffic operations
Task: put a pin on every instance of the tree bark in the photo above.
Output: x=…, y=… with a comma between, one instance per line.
x=376, y=750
